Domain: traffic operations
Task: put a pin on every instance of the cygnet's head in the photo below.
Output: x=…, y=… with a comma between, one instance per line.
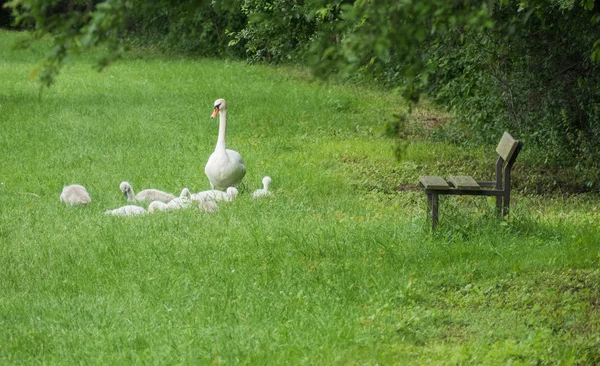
x=185, y=193
x=124, y=186
x=220, y=106
x=232, y=191
x=266, y=181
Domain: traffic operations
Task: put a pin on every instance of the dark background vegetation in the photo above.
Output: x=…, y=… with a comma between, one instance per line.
x=524, y=66
x=5, y=18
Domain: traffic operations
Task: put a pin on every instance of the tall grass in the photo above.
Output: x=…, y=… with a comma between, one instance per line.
x=339, y=266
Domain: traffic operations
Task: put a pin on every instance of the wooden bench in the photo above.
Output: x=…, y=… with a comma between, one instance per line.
x=507, y=149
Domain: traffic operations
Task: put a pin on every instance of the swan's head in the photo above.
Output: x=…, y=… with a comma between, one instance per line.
x=125, y=188
x=220, y=105
x=232, y=191
x=266, y=181
x=185, y=193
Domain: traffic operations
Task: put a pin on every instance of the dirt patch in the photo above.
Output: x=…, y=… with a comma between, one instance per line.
x=433, y=122
x=429, y=118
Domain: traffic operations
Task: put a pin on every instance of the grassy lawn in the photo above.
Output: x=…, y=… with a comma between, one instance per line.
x=338, y=267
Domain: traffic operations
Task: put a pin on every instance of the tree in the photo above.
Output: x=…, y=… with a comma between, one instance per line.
x=527, y=66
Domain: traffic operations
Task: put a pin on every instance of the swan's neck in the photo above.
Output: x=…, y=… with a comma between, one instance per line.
x=129, y=194
x=222, y=130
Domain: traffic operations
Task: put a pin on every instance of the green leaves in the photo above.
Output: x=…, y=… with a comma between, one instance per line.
x=596, y=51
x=74, y=26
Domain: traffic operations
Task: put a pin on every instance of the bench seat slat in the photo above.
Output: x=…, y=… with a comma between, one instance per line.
x=433, y=182
x=464, y=182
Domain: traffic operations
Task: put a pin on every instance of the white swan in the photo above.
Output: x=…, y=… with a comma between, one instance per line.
x=215, y=195
x=147, y=195
x=75, y=195
x=264, y=192
x=224, y=168
x=128, y=210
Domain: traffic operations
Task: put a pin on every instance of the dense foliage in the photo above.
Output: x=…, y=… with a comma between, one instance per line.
x=199, y=28
x=526, y=66
x=533, y=73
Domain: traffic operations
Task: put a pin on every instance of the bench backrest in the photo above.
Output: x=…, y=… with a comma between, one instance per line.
x=507, y=147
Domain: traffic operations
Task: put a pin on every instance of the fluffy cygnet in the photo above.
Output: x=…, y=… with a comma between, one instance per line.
x=147, y=195
x=75, y=195
x=157, y=206
x=183, y=201
x=264, y=192
x=208, y=206
x=128, y=210
x=215, y=195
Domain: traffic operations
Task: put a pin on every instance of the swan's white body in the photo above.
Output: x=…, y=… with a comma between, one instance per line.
x=264, y=192
x=214, y=195
x=128, y=210
x=224, y=168
x=147, y=195
x=75, y=195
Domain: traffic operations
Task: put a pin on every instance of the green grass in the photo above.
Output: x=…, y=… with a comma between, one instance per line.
x=339, y=267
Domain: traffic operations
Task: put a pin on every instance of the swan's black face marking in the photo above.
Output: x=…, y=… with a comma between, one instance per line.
x=215, y=111
x=125, y=194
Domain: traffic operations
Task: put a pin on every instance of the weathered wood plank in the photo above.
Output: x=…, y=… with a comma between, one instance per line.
x=507, y=146
x=433, y=182
x=464, y=182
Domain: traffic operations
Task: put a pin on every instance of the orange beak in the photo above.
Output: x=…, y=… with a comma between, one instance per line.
x=215, y=112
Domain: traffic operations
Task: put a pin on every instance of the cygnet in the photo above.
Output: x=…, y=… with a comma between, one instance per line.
x=264, y=192
x=208, y=206
x=157, y=206
x=128, y=210
x=215, y=195
x=75, y=195
x=147, y=195
x=183, y=201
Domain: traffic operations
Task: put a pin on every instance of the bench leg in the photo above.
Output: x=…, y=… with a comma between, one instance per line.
x=499, y=206
x=429, y=199
x=506, y=207
x=432, y=207
x=434, y=211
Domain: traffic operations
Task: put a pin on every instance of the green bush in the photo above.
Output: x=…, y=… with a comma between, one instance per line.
x=276, y=31
x=533, y=75
x=187, y=28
